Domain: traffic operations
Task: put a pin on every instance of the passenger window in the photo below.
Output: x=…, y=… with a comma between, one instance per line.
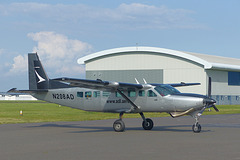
x=151, y=94
x=118, y=94
x=141, y=93
x=96, y=94
x=131, y=93
x=80, y=94
x=106, y=94
x=88, y=94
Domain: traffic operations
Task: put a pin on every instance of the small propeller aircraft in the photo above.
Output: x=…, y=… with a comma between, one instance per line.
x=116, y=97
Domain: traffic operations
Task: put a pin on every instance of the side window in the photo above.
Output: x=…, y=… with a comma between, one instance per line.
x=141, y=93
x=118, y=94
x=106, y=94
x=222, y=98
x=131, y=93
x=229, y=98
x=88, y=94
x=151, y=94
x=237, y=98
x=80, y=94
x=96, y=94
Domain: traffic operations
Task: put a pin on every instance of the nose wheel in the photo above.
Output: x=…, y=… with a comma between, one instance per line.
x=196, y=128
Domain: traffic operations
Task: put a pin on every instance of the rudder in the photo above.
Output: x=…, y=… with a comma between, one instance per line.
x=38, y=78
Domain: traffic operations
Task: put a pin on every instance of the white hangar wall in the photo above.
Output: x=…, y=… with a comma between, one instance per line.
x=159, y=65
x=174, y=69
x=220, y=83
x=222, y=92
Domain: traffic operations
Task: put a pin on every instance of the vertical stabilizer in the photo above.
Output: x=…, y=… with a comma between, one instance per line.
x=38, y=78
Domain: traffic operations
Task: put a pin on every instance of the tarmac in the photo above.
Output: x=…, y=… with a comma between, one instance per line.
x=170, y=138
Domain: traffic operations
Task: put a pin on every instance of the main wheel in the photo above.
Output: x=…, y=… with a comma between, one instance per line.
x=119, y=126
x=196, y=128
x=148, y=124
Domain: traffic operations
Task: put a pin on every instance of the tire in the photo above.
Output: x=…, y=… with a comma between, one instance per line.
x=148, y=124
x=119, y=126
x=196, y=128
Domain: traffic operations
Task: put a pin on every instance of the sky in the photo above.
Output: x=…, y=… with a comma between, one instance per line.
x=62, y=31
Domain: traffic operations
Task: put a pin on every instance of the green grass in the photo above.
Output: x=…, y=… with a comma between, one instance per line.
x=38, y=111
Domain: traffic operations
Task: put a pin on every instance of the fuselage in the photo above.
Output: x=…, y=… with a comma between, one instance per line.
x=155, y=99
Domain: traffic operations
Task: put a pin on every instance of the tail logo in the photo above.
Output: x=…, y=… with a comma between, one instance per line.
x=39, y=77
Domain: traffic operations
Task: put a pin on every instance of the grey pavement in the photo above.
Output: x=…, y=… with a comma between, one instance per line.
x=171, y=138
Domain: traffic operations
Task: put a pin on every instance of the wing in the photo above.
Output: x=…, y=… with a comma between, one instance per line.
x=101, y=85
x=182, y=84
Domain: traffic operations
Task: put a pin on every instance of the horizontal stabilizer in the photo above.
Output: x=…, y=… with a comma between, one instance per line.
x=14, y=90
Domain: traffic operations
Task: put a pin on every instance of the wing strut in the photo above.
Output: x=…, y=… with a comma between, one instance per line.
x=136, y=108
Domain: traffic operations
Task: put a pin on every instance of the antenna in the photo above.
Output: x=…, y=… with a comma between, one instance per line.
x=144, y=81
x=137, y=81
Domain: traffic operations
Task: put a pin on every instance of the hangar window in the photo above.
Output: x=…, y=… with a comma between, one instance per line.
x=237, y=98
x=234, y=78
x=222, y=98
x=229, y=98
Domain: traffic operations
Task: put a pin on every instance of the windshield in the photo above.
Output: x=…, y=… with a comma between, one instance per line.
x=165, y=90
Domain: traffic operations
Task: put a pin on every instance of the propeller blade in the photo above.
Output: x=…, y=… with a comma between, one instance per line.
x=215, y=108
x=209, y=87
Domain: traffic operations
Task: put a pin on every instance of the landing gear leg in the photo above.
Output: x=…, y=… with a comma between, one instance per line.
x=119, y=125
x=196, y=127
x=147, y=124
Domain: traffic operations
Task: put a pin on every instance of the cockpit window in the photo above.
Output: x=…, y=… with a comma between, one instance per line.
x=165, y=90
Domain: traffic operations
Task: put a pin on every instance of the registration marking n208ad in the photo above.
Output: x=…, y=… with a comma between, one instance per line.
x=62, y=96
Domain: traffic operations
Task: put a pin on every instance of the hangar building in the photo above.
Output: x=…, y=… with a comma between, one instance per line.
x=159, y=65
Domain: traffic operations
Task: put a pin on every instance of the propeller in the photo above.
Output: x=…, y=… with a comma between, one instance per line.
x=209, y=101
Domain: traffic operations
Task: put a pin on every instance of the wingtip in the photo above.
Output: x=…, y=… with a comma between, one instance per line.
x=12, y=90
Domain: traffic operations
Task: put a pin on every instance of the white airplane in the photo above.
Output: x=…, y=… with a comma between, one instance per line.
x=116, y=97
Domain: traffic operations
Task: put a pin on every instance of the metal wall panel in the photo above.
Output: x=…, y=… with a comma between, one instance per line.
x=220, y=83
x=151, y=76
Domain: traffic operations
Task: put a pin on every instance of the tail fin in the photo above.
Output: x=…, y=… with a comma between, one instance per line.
x=38, y=78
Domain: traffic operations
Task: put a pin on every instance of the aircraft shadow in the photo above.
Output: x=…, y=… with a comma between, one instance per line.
x=94, y=129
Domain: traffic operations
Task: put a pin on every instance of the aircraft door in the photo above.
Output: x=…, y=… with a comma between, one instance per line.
x=141, y=98
x=152, y=100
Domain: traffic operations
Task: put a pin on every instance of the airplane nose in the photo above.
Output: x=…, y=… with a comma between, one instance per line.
x=209, y=100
